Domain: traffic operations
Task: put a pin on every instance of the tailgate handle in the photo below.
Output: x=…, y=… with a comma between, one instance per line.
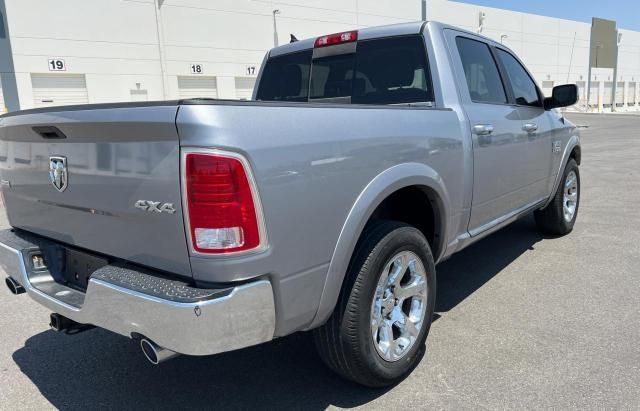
x=49, y=132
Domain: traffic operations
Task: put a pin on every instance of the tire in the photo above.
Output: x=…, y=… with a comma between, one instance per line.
x=346, y=342
x=554, y=218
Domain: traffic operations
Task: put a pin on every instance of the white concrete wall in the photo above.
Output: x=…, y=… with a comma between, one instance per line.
x=116, y=44
x=553, y=49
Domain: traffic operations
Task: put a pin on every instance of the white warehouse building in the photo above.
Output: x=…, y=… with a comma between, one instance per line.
x=79, y=51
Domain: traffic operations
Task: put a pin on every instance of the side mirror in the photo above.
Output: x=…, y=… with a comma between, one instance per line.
x=562, y=96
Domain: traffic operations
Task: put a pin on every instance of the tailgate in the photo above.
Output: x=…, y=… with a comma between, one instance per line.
x=76, y=175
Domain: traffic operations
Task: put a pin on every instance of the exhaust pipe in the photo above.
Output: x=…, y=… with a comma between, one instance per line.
x=60, y=323
x=154, y=353
x=14, y=286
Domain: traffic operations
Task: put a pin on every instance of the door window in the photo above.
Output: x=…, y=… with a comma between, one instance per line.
x=481, y=72
x=524, y=88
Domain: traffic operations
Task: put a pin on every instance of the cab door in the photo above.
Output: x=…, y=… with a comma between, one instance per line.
x=537, y=125
x=500, y=150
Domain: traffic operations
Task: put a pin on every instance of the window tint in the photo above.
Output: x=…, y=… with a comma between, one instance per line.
x=3, y=33
x=331, y=77
x=391, y=71
x=481, y=72
x=286, y=78
x=524, y=89
x=383, y=71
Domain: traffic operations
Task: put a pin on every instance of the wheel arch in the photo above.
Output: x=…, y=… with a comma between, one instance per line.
x=572, y=150
x=576, y=153
x=417, y=178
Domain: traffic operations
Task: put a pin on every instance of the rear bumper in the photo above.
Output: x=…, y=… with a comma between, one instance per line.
x=131, y=302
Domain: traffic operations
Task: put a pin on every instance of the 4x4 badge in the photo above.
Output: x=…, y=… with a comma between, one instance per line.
x=155, y=206
x=58, y=174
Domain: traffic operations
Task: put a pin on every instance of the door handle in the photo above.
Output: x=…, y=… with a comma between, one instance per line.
x=530, y=127
x=482, y=129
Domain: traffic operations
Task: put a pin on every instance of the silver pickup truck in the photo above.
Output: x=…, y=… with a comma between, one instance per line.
x=365, y=158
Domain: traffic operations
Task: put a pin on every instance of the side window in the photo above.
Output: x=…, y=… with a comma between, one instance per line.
x=524, y=88
x=481, y=72
x=392, y=71
x=286, y=78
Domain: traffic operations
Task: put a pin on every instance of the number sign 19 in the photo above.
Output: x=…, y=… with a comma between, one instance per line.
x=57, y=65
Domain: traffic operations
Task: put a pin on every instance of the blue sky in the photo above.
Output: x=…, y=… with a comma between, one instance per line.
x=625, y=12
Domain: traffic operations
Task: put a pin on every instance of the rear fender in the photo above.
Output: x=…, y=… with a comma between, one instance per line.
x=383, y=185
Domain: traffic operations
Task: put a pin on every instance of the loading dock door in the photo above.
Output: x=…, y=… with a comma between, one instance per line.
x=197, y=87
x=620, y=95
x=594, y=93
x=244, y=87
x=547, y=88
x=582, y=91
x=139, y=95
x=608, y=94
x=632, y=94
x=59, y=89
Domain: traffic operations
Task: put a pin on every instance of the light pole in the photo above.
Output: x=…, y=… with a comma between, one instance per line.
x=275, y=28
x=159, y=33
x=502, y=37
x=481, y=17
x=615, y=75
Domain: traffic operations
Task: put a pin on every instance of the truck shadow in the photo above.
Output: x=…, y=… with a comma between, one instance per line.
x=98, y=369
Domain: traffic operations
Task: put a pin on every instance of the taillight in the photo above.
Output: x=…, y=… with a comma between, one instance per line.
x=338, y=38
x=222, y=211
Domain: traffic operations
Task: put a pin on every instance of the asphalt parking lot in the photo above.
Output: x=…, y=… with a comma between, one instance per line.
x=524, y=322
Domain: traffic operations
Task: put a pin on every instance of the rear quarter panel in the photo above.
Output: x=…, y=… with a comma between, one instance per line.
x=311, y=164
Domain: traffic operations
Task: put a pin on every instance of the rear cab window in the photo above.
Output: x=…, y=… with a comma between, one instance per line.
x=286, y=78
x=382, y=71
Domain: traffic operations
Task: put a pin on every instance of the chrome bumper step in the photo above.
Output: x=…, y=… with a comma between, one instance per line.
x=131, y=301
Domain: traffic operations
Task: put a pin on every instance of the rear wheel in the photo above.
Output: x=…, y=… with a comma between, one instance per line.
x=377, y=332
x=559, y=217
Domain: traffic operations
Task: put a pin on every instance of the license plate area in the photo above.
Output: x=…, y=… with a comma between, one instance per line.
x=78, y=267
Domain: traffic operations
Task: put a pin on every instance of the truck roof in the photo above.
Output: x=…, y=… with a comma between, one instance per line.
x=399, y=29
x=366, y=33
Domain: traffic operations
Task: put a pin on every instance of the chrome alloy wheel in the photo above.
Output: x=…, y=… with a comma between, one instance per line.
x=570, y=196
x=399, y=306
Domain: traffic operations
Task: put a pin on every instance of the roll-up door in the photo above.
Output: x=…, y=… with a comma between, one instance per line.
x=582, y=91
x=547, y=88
x=632, y=94
x=244, y=87
x=59, y=89
x=608, y=94
x=139, y=95
x=594, y=93
x=197, y=87
x=620, y=94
